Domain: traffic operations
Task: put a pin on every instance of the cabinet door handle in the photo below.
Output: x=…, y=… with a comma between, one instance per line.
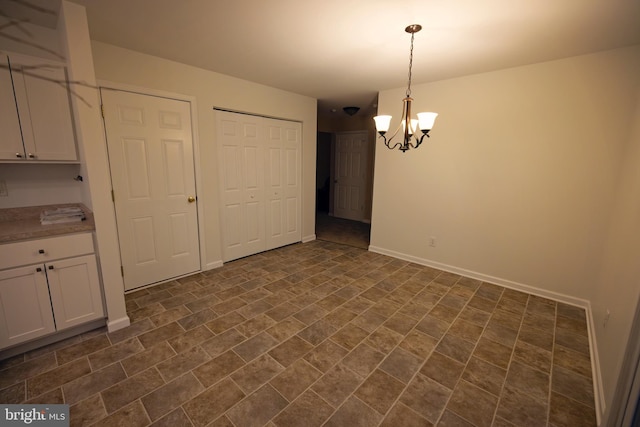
x=38, y=269
x=51, y=267
x=18, y=155
x=40, y=251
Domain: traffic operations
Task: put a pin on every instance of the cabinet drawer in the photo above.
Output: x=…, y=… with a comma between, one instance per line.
x=43, y=250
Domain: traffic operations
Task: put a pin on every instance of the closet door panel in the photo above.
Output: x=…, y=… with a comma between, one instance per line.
x=292, y=179
x=260, y=183
x=231, y=183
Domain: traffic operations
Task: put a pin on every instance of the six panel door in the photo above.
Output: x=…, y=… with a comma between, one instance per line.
x=260, y=175
x=151, y=158
x=350, y=179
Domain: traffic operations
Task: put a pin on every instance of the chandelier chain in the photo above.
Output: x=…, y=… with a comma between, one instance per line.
x=410, y=66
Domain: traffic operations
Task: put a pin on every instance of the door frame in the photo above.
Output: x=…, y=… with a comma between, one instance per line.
x=105, y=84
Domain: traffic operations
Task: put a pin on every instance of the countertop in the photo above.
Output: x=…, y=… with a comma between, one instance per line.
x=18, y=224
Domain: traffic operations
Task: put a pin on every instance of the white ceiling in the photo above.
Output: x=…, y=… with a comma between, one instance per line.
x=343, y=51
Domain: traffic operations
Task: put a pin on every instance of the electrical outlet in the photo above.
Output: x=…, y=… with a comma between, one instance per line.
x=3, y=188
x=606, y=319
x=432, y=242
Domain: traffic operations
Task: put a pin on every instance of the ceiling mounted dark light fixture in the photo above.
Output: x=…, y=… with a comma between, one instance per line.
x=351, y=110
x=409, y=126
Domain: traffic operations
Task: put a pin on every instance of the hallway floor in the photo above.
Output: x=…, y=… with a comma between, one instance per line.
x=321, y=334
x=338, y=230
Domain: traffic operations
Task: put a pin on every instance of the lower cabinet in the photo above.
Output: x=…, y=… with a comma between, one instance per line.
x=25, y=307
x=40, y=299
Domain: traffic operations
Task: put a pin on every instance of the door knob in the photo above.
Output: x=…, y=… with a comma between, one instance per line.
x=191, y=199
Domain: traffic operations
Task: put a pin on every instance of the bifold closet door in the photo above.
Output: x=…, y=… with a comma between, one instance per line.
x=241, y=157
x=283, y=177
x=260, y=175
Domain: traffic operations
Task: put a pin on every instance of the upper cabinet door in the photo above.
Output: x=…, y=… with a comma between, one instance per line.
x=44, y=106
x=11, y=147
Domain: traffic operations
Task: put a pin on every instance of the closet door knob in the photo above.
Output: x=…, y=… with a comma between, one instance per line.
x=18, y=155
x=32, y=156
x=191, y=199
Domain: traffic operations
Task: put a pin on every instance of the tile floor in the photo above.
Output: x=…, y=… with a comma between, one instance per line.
x=321, y=334
x=339, y=230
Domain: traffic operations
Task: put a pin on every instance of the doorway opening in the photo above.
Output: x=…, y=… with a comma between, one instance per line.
x=342, y=182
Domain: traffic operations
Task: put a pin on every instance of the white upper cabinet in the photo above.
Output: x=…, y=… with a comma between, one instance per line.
x=11, y=141
x=38, y=89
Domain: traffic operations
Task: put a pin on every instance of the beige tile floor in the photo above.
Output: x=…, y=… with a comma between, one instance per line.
x=338, y=230
x=321, y=334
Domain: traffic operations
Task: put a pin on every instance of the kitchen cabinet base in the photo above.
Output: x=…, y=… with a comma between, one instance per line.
x=51, y=339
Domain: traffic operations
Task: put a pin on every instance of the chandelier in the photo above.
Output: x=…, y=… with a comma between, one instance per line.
x=409, y=126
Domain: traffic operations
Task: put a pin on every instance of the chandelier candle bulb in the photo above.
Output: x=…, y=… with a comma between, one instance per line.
x=382, y=123
x=427, y=120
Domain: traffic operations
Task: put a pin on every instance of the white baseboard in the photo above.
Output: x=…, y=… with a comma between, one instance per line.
x=308, y=238
x=486, y=278
x=212, y=265
x=598, y=388
x=121, y=323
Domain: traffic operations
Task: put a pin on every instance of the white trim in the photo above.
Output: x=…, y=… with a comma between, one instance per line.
x=144, y=90
x=121, y=323
x=308, y=238
x=212, y=265
x=598, y=388
x=486, y=278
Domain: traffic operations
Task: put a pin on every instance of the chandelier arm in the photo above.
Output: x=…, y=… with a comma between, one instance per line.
x=388, y=142
x=419, y=141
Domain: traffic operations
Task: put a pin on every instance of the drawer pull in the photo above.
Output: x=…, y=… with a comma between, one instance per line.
x=40, y=251
x=51, y=267
x=38, y=269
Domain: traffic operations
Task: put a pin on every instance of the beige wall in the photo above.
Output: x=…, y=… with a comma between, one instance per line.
x=518, y=180
x=618, y=285
x=210, y=90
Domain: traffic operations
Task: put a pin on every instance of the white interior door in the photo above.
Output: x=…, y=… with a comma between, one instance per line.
x=283, y=177
x=350, y=175
x=260, y=176
x=151, y=158
x=241, y=157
